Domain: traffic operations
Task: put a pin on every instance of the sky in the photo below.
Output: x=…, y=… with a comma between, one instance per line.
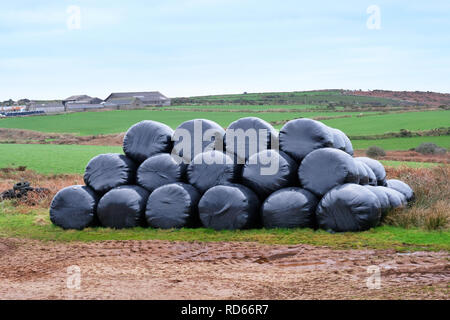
x=54, y=49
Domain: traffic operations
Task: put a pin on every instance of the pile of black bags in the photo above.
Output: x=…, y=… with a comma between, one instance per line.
x=247, y=176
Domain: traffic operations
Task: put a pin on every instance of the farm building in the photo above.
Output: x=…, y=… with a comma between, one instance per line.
x=82, y=102
x=132, y=100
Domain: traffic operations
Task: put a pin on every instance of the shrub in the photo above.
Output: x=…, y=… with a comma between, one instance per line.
x=375, y=152
x=431, y=209
x=430, y=148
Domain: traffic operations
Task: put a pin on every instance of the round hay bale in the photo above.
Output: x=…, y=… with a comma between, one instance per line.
x=160, y=170
x=349, y=207
x=268, y=171
x=229, y=207
x=289, y=208
x=396, y=199
x=370, y=174
x=326, y=168
x=74, y=208
x=123, y=207
x=173, y=206
x=245, y=137
x=385, y=203
x=107, y=171
x=338, y=139
x=362, y=173
x=401, y=187
x=196, y=136
x=377, y=168
x=147, y=138
x=211, y=168
x=348, y=143
x=301, y=136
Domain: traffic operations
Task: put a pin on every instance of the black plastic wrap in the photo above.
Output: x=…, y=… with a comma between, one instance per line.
x=349, y=207
x=74, y=208
x=204, y=135
x=377, y=168
x=229, y=207
x=326, y=168
x=212, y=168
x=401, y=187
x=385, y=203
x=123, y=207
x=268, y=171
x=173, y=206
x=370, y=174
x=289, y=208
x=396, y=199
x=107, y=171
x=301, y=136
x=362, y=173
x=348, y=143
x=147, y=138
x=160, y=170
x=338, y=139
x=246, y=139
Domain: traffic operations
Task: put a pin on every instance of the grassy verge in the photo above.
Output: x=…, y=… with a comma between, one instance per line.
x=35, y=224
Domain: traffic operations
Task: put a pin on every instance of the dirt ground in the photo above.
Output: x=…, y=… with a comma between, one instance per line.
x=180, y=270
x=36, y=137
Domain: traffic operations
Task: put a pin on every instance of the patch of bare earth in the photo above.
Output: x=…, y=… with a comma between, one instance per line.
x=409, y=155
x=180, y=270
x=36, y=137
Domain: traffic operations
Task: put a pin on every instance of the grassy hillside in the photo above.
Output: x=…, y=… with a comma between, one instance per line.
x=324, y=97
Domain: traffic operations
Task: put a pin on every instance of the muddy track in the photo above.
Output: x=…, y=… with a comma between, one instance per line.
x=181, y=270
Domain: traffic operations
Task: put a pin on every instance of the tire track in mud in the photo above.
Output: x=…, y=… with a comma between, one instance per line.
x=198, y=270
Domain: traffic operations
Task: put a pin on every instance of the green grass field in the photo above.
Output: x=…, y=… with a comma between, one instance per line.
x=36, y=225
x=92, y=123
x=49, y=159
x=54, y=159
x=392, y=122
x=401, y=143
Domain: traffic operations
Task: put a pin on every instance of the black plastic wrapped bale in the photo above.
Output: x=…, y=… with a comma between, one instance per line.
x=173, y=206
x=396, y=199
x=196, y=136
x=268, y=171
x=245, y=137
x=160, y=170
x=349, y=207
x=147, y=138
x=348, y=143
x=74, y=208
x=107, y=171
x=385, y=203
x=362, y=173
x=289, y=208
x=377, y=168
x=338, y=139
x=370, y=174
x=229, y=207
x=401, y=187
x=301, y=136
x=326, y=168
x=123, y=207
x=211, y=168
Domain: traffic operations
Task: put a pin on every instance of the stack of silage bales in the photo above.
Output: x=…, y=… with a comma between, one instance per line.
x=247, y=176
